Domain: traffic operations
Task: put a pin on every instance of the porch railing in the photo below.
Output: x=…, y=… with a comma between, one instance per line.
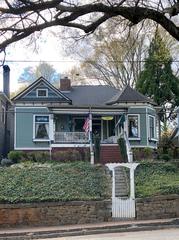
x=128, y=148
x=71, y=137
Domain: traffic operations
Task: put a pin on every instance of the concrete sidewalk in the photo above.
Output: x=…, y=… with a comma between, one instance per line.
x=86, y=229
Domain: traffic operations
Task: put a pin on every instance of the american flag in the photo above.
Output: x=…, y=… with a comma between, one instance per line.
x=86, y=125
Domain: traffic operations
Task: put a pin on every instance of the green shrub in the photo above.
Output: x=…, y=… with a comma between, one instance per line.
x=122, y=148
x=5, y=162
x=165, y=157
x=16, y=156
x=66, y=156
x=41, y=157
x=97, y=141
x=143, y=153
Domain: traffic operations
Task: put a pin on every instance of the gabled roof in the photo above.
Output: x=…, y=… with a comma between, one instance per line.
x=21, y=96
x=129, y=95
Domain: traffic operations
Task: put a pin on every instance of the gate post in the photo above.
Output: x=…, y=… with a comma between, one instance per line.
x=113, y=184
x=132, y=183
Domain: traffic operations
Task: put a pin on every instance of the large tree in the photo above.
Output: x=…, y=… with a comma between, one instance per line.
x=116, y=60
x=22, y=18
x=157, y=79
x=44, y=69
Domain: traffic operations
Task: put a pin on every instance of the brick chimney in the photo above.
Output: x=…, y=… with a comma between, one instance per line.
x=65, y=84
x=6, y=79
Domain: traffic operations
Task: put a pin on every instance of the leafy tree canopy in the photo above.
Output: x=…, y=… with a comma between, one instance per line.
x=157, y=79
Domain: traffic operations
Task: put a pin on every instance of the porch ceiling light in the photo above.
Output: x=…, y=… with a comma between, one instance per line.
x=107, y=118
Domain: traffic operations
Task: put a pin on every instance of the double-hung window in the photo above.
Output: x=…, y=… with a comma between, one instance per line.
x=151, y=127
x=133, y=126
x=41, y=127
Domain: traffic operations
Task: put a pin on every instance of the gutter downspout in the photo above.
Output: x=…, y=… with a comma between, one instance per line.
x=6, y=79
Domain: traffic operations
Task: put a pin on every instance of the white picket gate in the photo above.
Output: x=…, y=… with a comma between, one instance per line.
x=123, y=208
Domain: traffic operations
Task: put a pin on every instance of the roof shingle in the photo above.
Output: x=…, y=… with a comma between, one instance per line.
x=129, y=94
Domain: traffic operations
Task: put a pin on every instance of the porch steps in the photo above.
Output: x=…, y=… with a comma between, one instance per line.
x=121, y=182
x=110, y=154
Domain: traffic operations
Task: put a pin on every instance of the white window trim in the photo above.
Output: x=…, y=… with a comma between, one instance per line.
x=43, y=89
x=3, y=119
x=133, y=138
x=41, y=139
x=152, y=139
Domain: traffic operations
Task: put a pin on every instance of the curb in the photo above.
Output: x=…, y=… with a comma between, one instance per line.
x=90, y=230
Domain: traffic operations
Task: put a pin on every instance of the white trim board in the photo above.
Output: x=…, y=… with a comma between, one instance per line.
x=27, y=148
x=68, y=145
x=143, y=146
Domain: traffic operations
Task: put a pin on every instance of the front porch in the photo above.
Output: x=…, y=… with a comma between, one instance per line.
x=69, y=134
x=69, y=129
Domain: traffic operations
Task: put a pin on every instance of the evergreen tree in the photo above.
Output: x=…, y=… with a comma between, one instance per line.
x=157, y=80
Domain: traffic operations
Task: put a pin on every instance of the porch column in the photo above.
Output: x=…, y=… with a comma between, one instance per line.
x=91, y=139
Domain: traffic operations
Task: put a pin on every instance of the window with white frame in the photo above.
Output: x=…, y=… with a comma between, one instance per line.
x=41, y=127
x=42, y=92
x=133, y=126
x=151, y=127
x=3, y=115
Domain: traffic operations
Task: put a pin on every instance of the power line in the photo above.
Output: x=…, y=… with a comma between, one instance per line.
x=78, y=60
x=37, y=61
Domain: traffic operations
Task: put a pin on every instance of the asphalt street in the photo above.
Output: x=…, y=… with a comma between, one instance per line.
x=165, y=234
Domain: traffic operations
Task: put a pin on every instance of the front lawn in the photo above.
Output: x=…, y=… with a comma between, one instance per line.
x=53, y=182
x=157, y=179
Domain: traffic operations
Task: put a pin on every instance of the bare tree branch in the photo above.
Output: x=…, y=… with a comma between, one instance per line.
x=20, y=19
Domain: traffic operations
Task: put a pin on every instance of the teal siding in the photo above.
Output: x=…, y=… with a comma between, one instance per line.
x=51, y=94
x=24, y=128
x=144, y=127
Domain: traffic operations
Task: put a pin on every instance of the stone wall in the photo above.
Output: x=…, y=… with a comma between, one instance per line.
x=157, y=207
x=61, y=213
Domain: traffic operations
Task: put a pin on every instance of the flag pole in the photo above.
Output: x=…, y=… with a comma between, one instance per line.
x=90, y=138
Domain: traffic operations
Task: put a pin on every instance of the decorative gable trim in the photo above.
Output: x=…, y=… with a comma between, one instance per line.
x=35, y=84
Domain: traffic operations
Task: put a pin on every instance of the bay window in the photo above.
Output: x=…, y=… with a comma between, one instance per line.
x=151, y=127
x=133, y=126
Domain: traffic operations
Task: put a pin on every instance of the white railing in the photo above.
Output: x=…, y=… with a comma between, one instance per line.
x=71, y=137
x=128, y=148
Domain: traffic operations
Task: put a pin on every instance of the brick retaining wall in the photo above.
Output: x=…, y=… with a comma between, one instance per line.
x=157, y=207
x=61, y=213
